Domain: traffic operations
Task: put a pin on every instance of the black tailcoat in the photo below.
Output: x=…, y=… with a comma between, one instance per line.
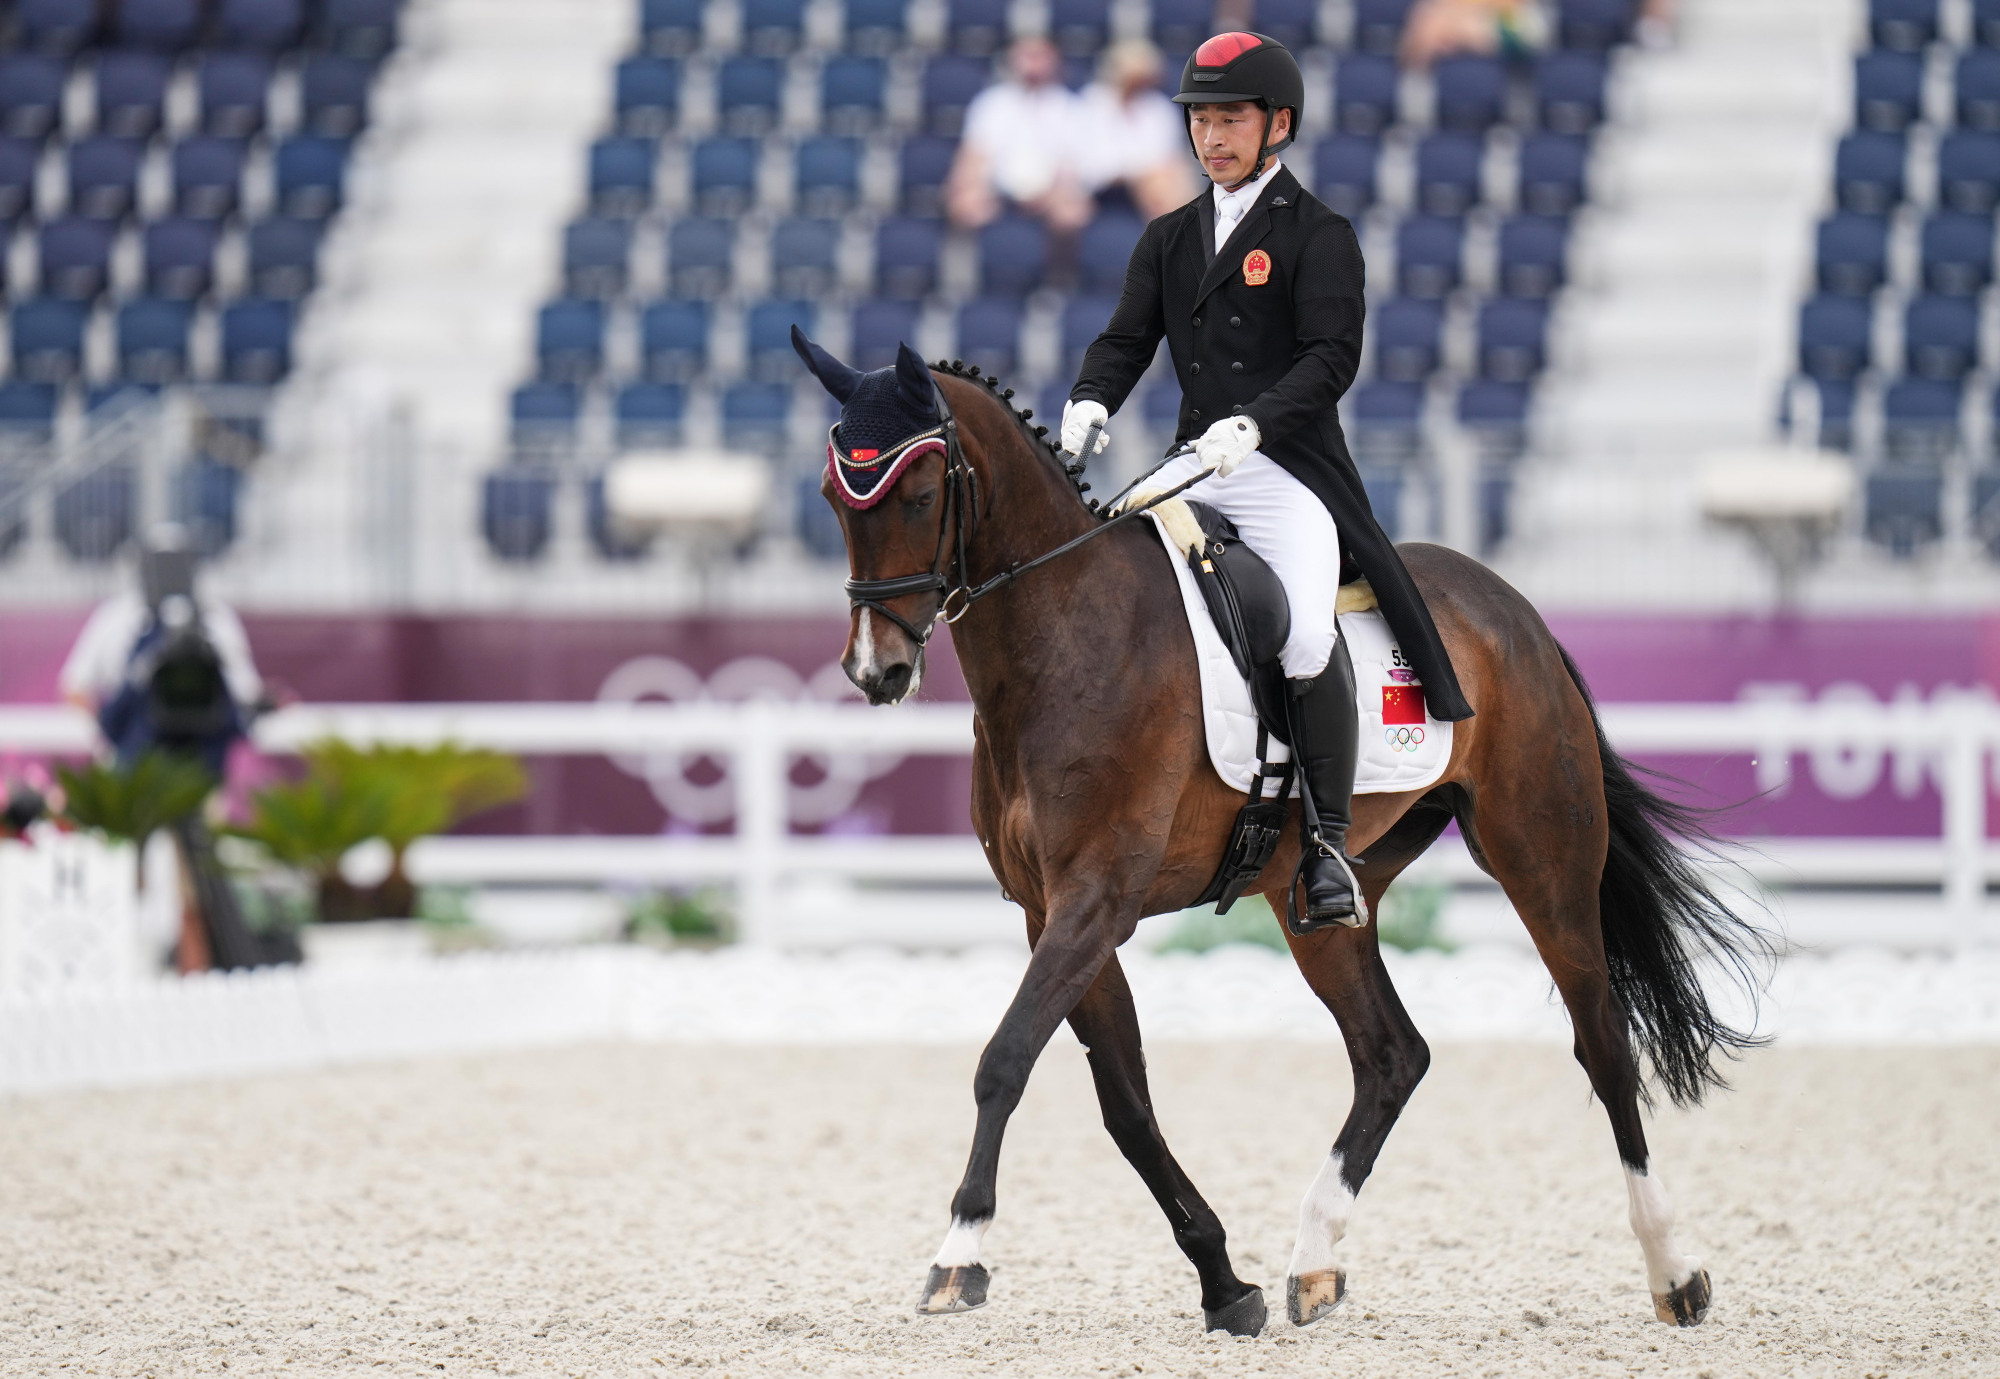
x=1280, y=351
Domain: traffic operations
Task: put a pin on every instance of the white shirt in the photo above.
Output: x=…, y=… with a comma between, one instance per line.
x=1231, y=207
x=1028, y=135
x=1127, y=138
x=97, y=663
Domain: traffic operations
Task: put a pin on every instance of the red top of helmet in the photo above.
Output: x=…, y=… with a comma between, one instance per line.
x=1224, y=49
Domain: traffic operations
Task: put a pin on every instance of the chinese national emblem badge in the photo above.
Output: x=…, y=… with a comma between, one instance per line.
x=1256, y=268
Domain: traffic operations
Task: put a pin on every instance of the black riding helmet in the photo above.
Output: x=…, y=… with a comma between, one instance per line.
x=1242, y=66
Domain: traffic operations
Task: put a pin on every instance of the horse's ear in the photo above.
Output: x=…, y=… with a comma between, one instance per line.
x=836, y=377
x=913, y=378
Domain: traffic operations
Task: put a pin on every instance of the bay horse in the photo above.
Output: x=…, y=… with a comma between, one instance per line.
x=1094, y=799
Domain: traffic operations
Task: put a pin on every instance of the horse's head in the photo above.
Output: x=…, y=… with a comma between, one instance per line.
x=890, y=479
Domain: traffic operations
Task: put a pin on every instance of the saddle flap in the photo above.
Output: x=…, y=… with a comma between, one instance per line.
x=1244, y=596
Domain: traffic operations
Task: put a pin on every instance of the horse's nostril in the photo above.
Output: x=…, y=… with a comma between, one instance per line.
x=896, y=680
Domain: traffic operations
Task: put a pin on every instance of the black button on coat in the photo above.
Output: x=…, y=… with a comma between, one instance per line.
x=1288, y=371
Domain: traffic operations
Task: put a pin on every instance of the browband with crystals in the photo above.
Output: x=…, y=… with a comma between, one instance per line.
x=864, y=476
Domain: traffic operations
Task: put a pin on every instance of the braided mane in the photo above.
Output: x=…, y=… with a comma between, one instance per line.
x=1038, y=436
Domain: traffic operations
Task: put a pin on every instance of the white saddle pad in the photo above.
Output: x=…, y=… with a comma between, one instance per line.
x=1396, y=755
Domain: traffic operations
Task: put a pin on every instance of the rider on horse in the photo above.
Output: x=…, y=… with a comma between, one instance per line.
x=1257, y=287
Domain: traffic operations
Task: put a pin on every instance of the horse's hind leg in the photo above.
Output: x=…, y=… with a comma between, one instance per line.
x=1108, y=1025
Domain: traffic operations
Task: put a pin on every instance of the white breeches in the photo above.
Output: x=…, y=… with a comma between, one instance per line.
x=1279, y=518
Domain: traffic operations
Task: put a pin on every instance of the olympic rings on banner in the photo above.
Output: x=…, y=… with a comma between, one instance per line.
x=1403, y=739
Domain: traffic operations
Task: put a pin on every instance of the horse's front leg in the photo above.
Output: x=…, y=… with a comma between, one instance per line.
x=1085, y=924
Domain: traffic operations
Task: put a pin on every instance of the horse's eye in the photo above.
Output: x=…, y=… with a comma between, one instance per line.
x=922, y=501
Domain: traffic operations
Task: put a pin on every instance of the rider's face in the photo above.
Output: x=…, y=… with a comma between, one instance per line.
x=1229, y=137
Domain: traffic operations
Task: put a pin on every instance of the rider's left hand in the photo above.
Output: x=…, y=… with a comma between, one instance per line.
x=1227, y=444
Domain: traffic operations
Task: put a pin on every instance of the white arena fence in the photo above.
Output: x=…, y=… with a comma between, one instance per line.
x=1954, y=739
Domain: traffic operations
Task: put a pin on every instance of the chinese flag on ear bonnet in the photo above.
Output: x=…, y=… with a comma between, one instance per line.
x=1241, y=66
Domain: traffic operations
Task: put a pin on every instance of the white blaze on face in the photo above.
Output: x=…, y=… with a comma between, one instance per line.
x=1323, y=1218
x=864, y=642
x=961, y=1243
x=1652, y=1215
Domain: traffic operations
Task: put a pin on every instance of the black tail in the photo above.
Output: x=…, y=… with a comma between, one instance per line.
x=1663, y=922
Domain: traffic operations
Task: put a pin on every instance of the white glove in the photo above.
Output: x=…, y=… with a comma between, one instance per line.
x=1227, y=444
x=1076, y=423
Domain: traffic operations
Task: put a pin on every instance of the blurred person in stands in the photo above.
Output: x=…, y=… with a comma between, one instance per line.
x=1019, y=147
x=1136, y=154
x=1446, y=28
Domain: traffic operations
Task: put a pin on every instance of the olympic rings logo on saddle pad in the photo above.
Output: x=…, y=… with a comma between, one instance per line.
x=863, y=477
x=1403, y=739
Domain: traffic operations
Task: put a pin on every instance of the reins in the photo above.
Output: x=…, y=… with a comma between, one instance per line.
x=961, y=485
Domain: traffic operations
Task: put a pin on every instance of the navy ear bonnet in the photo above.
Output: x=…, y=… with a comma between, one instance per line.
x=887, y=419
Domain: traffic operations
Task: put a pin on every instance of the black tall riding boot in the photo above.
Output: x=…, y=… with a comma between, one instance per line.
x=1326, y=736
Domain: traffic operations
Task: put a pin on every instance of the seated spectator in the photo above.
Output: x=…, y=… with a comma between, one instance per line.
x=1019, y=146
x=1446, y=28
x=1137, y=146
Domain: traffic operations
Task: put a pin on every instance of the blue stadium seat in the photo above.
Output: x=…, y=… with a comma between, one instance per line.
x=1552, y=173
x=805, y=252
x=165, y=25
x=749, y=93
x=923, y=163
x=334, y=94
x=1408, y=333
x=1084, y=318
x=975, y=27
x=1533, y=253
x=1986, y=23
x=208, y=175
x=851, y=89
x=597, y=254
x=1448, y=173
x=769, y=328
x=701, y=254
x=516, y=512
x=1429, y=253
x=951, y=80
x=1513, y=338
x=233, y=89
x=1364, y=93
x=1920, y=421
x=1080, y=27
x=1853, y=253
x=1903, y=509
x=649, y=416
x=1835, y=399
x=360, y=28
x=18, y=161
x=283, y=256
x=907, y=254
x=818, y=524
x=1907, y=26
x=1471, y=92
x=876, y=27
x=755, y=416
x=58, y=26
x=725, y=175
x=1179, y=26
x=1160, y=408
x=94, y=515
x=105, y=402
x=829, y=173
x=153, y=340
x=1569, y=91
x=204, y=499
x=1941, y=337
x=673, y=339
x=1294, y=23
x=1969, y=171
x=542, y=416
x=131, y=91
x=773, y=27
x=312, y=171
x=1888, y=90
x=1497, y=409
x=670, y=28
x=1378, y=25
x=612, y=539
x=1957, y=253
x=569, y=340
x=621, y=174
x=47, y=339
x=31, y=93
x=1346, y=172
x=1013, y=254
x=1384, y=486
x=1384, y=420
x=881, y=324
x=1595, y=26
x=1868, y=172
x=1978, y=90
x=256, y=340
x=76, y=257
x=1834, y=337
x=104, y=176
x=1104, y=251
x=27, y=411
x=646, y=95
x=989, y=334
x=267, y=26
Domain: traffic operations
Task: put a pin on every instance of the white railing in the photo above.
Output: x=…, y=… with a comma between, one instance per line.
x=1958, y=738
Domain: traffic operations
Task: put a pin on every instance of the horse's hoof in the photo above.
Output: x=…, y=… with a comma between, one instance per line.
x=1687, y=1305
x=1244, y=1317
x=1308, y=1297
x=957, y=1289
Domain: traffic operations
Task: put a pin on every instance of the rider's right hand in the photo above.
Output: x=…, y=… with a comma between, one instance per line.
x=1076, y=422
